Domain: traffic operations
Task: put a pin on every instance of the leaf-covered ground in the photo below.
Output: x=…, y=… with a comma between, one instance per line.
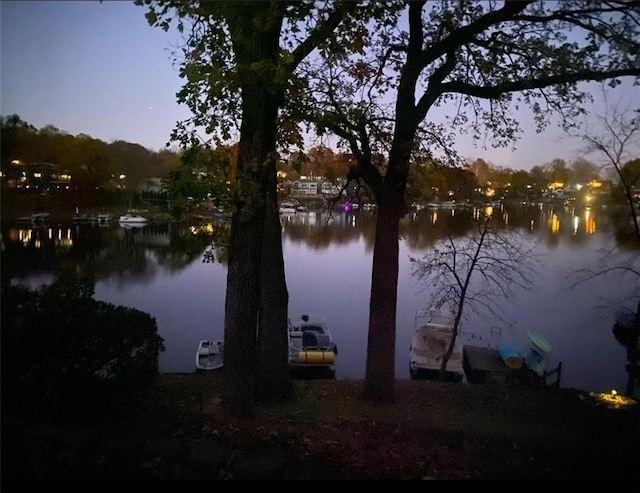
x=439, y=431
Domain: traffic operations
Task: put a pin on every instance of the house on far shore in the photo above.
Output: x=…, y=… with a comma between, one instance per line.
x=36, y=177
x=305, y=188
x=151, y=185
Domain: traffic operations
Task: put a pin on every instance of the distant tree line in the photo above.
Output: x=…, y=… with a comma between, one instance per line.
x=91, y=162
x=200, y=173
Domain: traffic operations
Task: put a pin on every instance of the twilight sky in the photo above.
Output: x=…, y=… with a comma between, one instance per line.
x=99, y=69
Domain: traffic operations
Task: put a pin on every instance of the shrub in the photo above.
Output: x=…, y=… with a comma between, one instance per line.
x=64, y=352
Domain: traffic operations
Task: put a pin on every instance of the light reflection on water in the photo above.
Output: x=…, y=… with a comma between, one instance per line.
x=328, y=268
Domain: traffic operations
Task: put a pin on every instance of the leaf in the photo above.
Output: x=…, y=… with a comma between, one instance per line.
x=151, y=17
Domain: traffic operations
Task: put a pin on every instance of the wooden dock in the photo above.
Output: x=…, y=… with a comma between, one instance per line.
x=484, y=365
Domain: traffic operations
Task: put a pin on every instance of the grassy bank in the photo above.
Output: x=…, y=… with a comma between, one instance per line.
x=434, y=430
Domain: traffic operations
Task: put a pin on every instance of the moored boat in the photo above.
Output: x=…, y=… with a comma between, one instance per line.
x=288, y=207
x=539, y=343
x=311, y=345
x=433, y=330
x=132, y=219
x=538, y=351
x=511, y=357
x=210, y=355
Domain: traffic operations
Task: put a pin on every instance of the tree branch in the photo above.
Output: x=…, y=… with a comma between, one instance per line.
x=321, y=32
x=465, y=34
x=494, y=92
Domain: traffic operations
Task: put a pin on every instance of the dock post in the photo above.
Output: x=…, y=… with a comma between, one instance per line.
x=558, y=371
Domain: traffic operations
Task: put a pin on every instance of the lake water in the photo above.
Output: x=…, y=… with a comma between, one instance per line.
x=159, y=269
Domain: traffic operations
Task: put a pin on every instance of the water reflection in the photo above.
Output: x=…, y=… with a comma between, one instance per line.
x=328, y=267
x=125, y=252
x=176, y=245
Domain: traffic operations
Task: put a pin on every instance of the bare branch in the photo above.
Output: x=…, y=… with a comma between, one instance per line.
x=474, y=271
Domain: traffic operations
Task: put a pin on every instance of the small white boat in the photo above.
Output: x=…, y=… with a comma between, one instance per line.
x=311, y=345
x=209, y=355
x=288, y=208
x=432, y=335
x=129, y=225
x=132, y=219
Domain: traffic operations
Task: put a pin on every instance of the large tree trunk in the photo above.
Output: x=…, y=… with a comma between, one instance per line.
x=381, y=342
x=241, y=314
x=257, y=143
x=273, y=377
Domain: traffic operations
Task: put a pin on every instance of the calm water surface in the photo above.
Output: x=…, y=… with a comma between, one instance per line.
x=159, y=269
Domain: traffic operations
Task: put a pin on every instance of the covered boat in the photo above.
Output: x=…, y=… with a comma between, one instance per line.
x=311, y=346
x=433, y=330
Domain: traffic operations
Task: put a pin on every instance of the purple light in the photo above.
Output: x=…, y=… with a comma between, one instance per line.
x=346, y=206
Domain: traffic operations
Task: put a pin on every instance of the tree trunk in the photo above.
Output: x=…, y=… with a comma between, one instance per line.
x=381, y=342
x=273, y=377
x=454, y=338
x=241, y=315
x=257, y=144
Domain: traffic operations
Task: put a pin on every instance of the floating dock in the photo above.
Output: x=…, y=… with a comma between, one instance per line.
x=483, y=365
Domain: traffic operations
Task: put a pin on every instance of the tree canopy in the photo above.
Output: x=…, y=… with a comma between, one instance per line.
x=484, y=59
